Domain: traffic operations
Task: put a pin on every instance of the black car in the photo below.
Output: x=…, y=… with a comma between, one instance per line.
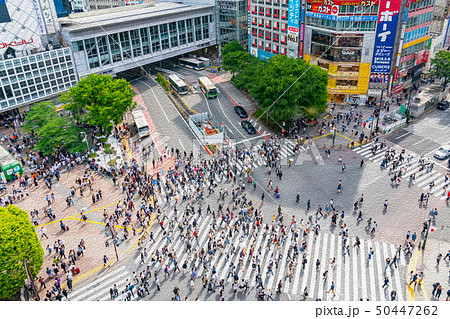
x=248, y=127
x=443, y=105
x=240, y=111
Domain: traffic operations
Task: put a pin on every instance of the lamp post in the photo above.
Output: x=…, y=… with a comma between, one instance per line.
x=111, y=229
x=426, y=235
x=30, y=280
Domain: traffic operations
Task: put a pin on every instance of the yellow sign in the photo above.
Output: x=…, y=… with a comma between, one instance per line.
x=332, y=69
x=410, y=44
x=364, y=70
x=339, y=91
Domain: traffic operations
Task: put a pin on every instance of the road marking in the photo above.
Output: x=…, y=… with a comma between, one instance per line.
x=221, y=107
x=162, y=109
x=399, y=137
x=419, y=141
x=231, y=131
x=181, y=144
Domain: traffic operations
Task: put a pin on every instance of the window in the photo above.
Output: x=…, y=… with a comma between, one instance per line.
x=135, y=43
x=190, y=30
x=182, y=32
x=164, y=36
x=102, y=50
x=145, y=41
x=155, y=39
x=114, y=45
x=91, y=50
x=276, y=13
x=125, y=43
x=173, y=34
x=205, y=28
x=198, y=29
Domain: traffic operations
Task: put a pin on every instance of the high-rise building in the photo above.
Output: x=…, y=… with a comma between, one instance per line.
x=35, y=63
x=63, y=8
x=231, y=21
x=368, y=47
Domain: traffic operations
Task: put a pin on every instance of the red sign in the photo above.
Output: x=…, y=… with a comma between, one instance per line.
x=15, y=43
x=364, y=3
x=320, y=8
x=394, y=81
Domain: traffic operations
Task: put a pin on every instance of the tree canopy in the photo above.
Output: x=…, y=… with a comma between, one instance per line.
x=53, y=131
x=99, y=100
x=282, y=86
x=441, y=66
x=19, y=243
x=233, y=46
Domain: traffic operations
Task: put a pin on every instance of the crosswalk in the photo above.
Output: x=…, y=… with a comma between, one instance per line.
x=423, y=179
x=355, y=276
x=287, y=150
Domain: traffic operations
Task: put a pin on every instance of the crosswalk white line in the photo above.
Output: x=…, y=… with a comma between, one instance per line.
x=380, y=272
x=364, y=292
x=371, y=263
x=355, y=277
x=305, y=272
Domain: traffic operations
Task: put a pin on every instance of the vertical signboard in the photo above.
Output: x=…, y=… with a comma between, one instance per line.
x=384, y=40
x=293, y=28
x=48, y=17
x=4, y=14
x=302, y=20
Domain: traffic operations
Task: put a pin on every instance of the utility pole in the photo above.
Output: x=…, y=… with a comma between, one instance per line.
x=379, y=110
x=113, y=235
x=31, y=281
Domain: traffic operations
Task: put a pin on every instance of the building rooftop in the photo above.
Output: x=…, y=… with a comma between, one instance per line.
x=104, y=17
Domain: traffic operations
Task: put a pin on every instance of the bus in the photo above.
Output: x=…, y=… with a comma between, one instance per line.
x=208, y=88
x=205, y=60
x=178, y=84
x=141, y=123
x=10, y=167
x=191, y=63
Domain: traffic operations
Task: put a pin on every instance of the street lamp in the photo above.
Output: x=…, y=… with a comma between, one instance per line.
x=426, y=235
x=111, y=229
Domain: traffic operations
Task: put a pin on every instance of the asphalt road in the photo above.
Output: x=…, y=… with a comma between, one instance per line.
x=426, y=135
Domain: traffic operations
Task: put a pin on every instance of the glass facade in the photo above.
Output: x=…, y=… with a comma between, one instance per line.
x=232, y=21
x=116, y=47
x=36, y=76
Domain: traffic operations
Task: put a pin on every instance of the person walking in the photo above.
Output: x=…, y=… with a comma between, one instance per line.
x=332, y=289
x=386, y=282
x=105, y=261
x=43, y=233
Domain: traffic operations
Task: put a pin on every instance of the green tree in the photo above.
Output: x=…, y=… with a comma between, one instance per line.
x=100, y=100
x=233, y=46
x=441, y=66
x=237, y=61
x=19, y=243
x=284, y=87
x=53, y=132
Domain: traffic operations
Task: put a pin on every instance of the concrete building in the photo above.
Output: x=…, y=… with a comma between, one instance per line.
x=35, y=63
x=115, y=40
x=340, y=38
x=414, y=44
x=367, y=47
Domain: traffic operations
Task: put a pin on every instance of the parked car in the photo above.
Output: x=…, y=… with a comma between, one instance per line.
x=240, y=111
x=248, y=127
x=443, y=105
x=442, y=152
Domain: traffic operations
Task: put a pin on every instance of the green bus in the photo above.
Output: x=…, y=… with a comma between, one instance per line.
x=208, y=88
x=9, y=166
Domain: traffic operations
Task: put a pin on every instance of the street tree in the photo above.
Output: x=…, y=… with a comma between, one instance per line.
x=100, y=100
x=236, y=61
x=441, y=66
x=52, y=131
x=19, y=246
x=233, y=46
x=285, y=87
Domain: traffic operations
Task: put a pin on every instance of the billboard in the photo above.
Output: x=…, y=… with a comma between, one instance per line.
x=293, y=28
x=4, y=14
x=385, y=39
x=363, y=3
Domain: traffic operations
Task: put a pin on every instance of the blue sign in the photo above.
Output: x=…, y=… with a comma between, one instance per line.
x=264, y=55
x=155, y=182
x=341, y=18
x=385, y=37
x=4, y=14
x=294, y=14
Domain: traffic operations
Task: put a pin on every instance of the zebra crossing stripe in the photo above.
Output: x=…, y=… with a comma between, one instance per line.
x=332, y=243
x=364, y=292
x=282, y=272
x=380, y=271
x=426, y=179
x=355, y=277
x=101, y=290
x=305, y=273
x=347, y=275
x=95, y=282
x=315, y=274
x=371, y=263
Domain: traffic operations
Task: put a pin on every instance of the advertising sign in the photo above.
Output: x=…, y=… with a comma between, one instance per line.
x=385, y=39
x=341, y=18
x=320, y=8
x=293, y=28
x=364, y=3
